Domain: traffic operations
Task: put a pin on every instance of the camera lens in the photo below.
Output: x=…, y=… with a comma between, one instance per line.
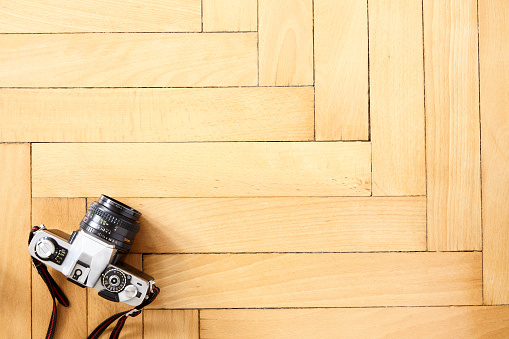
x=112, y=221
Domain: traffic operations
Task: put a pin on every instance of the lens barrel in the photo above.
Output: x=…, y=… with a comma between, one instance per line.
x=113, y=222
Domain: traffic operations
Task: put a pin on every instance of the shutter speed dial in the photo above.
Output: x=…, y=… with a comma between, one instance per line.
x=114, y=280
x=45, y=248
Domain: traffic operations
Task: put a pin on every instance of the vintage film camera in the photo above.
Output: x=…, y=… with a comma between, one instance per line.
x=93, y=256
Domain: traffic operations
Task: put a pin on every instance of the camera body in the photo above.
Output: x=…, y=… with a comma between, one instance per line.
x=92, y=256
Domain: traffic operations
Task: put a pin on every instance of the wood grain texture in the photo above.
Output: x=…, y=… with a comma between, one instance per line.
x=201, y=169
x=341, y=65
x=397, y=97
x=393, y=322
x=15, y=265
x=286, y=42
x=316, y=280
x=64, y=215
x=262, y=218
x=156, y=115
x=175, y=324
x=49, y=16
x=128, y=60
x=452, y=125
x=230, y=15
x=99, y=309
x=494, y=61
x=187, y=225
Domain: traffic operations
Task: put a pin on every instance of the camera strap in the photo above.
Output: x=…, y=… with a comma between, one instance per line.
x=54, y=289
x=122, y=317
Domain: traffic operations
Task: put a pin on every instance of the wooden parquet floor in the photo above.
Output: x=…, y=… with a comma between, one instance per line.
x=305, y=168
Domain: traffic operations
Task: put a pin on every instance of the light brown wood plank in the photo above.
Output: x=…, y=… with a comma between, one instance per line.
x=201, y=169
x=316, y=280
x=230, y=15
x=64, y=215
x=25, y=16
x=286, y=42
x=187, y=225
x=99, y=309
x=128, y=60
x=15, y=265
x=494, y=74
x=397, y=97
x=341, y=64
x=394, y=322
x=452, y=125
x=156, y=115
x=175, y=324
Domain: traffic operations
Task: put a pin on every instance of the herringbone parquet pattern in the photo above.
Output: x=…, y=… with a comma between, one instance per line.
x=305, y=168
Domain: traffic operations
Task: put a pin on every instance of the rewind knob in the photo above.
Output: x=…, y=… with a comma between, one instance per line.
x=45, y=248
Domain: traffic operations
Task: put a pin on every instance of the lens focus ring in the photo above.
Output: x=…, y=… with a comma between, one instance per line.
x=114, y=220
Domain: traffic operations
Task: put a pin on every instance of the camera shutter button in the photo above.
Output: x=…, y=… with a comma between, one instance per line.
x=45, y=248
x=130, y=291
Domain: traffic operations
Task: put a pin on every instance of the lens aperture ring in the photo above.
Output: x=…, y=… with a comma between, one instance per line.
x=100, y=223
x=131, y=227
x=115, y=233
x=121, y=245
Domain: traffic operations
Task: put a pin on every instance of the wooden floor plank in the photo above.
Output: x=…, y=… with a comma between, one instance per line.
x=397, y=97
x=99, y=309
x=54, y=16
x=341, y=64
x=175, y=324
x=494, y=74
x=15, y=265
x=393, y=322
x=157, y=115
x=199, y=225
x=286, y=42
x=128, y=60
x=230, y=15
x=64, y=215
x=201, y=169
x=452, y=125
x=316, y=280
